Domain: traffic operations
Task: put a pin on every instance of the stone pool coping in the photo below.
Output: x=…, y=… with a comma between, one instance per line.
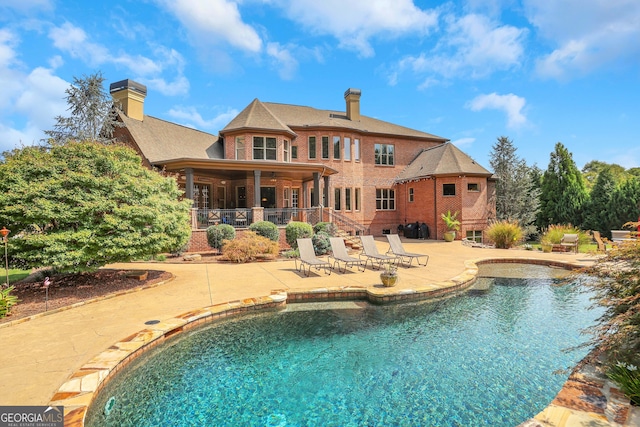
x=586, y=399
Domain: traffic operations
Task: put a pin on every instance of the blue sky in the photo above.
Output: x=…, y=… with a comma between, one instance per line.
x=537, y=71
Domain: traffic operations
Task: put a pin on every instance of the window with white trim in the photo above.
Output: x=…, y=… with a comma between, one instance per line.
x=347, y=148
x=410, y=194
x=264, y=148
x=286, y=151
x=312, y=147
x=358, y=198
x=240, y=153
x=337, y=196
x=448, y=189
x=475, y=235
x=336, y=147
x=356, y=150
x=384, y=154
x=347, y=199
x=473, y=187
x=325, y=147
x=385, y=199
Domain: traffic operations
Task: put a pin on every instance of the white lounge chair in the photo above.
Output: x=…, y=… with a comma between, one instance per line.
x=370, y=253
x=308, y=257
x=570, y=240
x=396, y=248
x=339, y=254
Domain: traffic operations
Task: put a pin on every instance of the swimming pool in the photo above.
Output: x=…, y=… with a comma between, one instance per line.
x=484, y=358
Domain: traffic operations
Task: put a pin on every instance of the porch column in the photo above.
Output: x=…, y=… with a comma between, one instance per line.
x=256, y=188
x=316, y=189
x=188, y=191
x=326, y=191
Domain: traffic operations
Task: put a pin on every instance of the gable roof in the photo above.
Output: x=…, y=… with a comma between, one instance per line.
x=160, y=140
x=445, y=159
x=286, y=117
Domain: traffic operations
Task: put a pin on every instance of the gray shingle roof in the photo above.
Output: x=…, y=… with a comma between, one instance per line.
x=286, y=117
x=160, y=140
x=445, y=159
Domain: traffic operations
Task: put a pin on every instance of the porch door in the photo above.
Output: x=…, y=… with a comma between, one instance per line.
x=241, y=197
x=201, y=196
x=268, y=195
x=294, y=203
x=222, y=197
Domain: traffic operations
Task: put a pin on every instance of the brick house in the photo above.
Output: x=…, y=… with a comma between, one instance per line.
x=281, y=162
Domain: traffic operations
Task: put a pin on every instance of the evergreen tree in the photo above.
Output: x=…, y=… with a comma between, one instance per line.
x=625, y=203
x=79, y=206
x=516, y=192
x=563, y=193
x=598, y=212
x=93, y=116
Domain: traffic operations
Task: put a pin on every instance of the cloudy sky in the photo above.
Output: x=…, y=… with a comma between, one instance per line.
x=536, y=71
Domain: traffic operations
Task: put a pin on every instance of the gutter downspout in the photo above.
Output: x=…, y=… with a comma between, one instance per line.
x=435, y=208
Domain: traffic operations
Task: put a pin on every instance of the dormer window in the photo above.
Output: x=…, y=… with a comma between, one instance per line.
x=264, y=148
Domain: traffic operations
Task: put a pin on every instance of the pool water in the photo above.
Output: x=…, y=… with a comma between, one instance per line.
x=484, y=358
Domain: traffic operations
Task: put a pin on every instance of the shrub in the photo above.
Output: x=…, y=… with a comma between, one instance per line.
x=266, y=229
x=7, y=301
x=327, y=227
x=297, y=230
x=217, y=234
x=248, y=247
x=627, y=376
x=321, y=243
x=554, y=234
x=504, y=234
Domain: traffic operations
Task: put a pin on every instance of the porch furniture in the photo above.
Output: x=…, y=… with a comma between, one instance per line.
x=308, y=257
x=570, y=241
x=339, y=254
x=370, y=253
x=396, y=248
x=214, y=218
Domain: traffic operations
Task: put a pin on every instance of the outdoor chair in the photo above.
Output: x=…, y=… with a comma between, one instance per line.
x=339, y=254
x=214, y=218
x=396, y=248
x=308, y=257
x=570, y=240
x=370, y=253
x=241, y=218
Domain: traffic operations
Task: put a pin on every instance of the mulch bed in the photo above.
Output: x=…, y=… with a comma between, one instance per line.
x=68, y=289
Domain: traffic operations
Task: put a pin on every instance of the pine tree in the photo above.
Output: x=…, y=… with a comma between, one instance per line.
x=563, y=193
x=92, y=113
x=625, y=203
x=516, y=191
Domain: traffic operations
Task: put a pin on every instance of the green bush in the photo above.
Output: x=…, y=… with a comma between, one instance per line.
x=7, y=301
x=504, y=234
x=266, y=229
x=217, y=234
x=627, y=376
x=554, y=234
x=327, y=227
x=321, y=243
x=297, y=230
x=248, y=247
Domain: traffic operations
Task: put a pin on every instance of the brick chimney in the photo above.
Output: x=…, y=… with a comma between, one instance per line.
x=352, y=96
x=130, y=97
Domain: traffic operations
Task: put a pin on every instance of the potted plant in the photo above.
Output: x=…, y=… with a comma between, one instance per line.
x=452, y=223
x=389, y=276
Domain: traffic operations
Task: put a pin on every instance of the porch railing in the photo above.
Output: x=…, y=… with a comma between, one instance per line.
x=238, y=218
x=348, y=225
x=282, y=216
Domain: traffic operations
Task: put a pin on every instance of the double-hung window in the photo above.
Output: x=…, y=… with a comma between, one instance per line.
x=325, y=147
x=336, y=147
x=312, y=147
x=384, y=154
x=240, y=154
x=337, y=199
x=264, y=148
x=347, y=148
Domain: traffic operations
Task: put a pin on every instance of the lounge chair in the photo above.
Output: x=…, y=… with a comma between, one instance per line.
x=570, y=240
x=396, y=248
x=601, y=245
x=370, y=253
x=339, y=254
x=214, y=218
x=308, y=257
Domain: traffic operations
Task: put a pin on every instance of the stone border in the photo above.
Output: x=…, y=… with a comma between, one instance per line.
x=77, y=393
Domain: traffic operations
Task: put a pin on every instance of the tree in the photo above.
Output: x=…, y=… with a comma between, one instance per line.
x=93, y=116
x=597, y=213
x=79, y=206
x=563, y=193
x=625, y=203
x=516, y=191
x=591, y=170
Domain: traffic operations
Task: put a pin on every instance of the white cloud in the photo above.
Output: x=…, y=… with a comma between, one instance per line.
x=588, y=34
x=472, y=46
x=74, y=41
x=27, y=6
x=284, y=61
x=510, y=104
x=189, y=116
x=355, y=22
x=463, y=142
x=215, y=20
